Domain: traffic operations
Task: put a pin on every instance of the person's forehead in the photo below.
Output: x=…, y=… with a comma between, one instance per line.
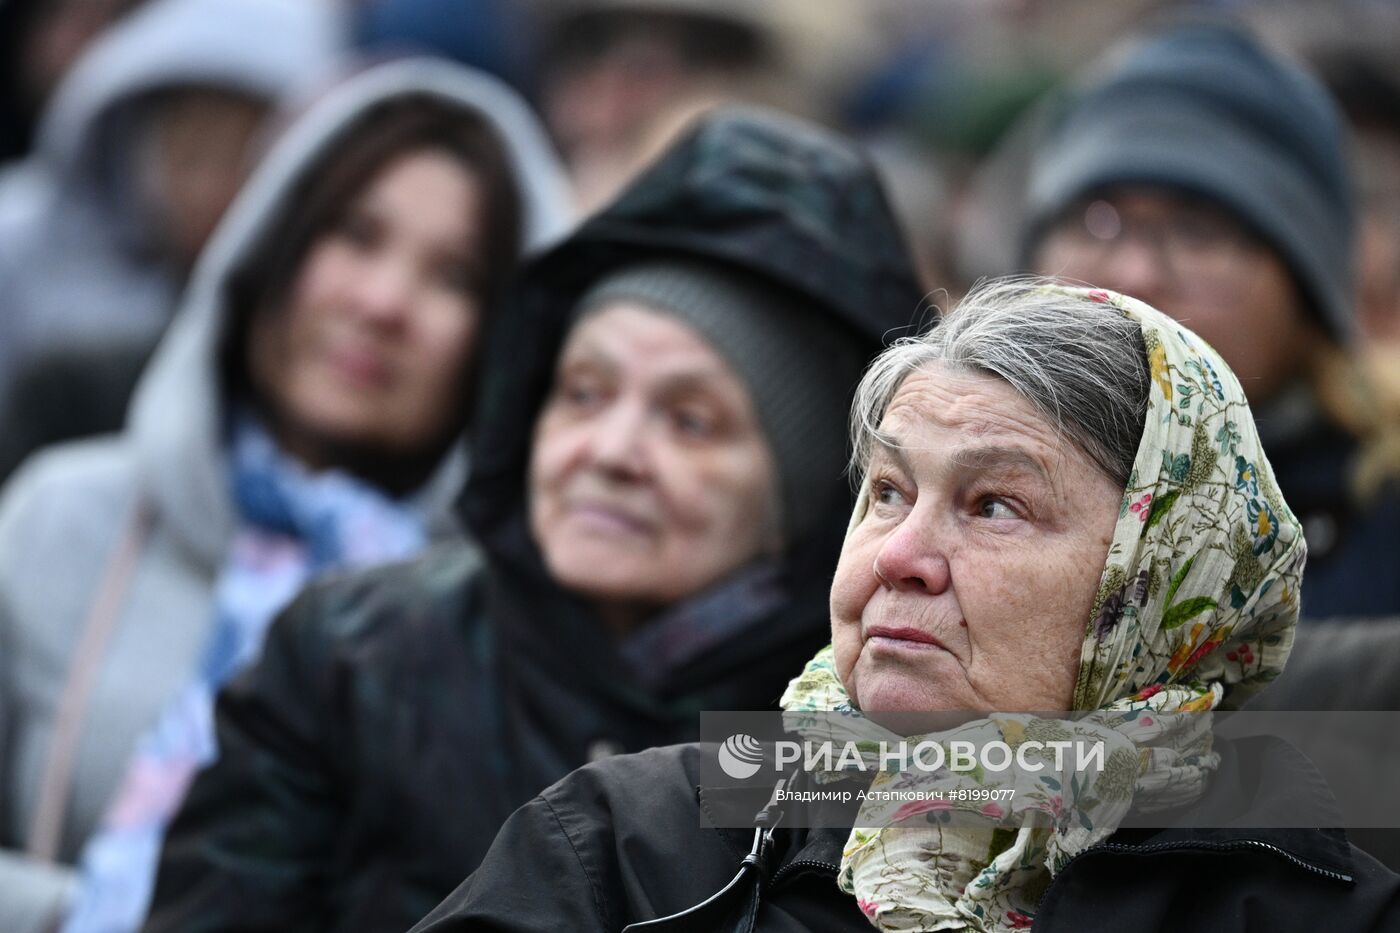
x=1148, y=197
x=954, y=423
x=428, y=191
x=980, y=405
x=632, y=336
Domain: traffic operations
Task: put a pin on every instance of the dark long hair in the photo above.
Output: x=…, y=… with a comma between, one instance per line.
x=261, y=282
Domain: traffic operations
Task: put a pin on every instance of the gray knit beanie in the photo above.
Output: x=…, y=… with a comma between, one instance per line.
x=799, y=370
x=1208, y=110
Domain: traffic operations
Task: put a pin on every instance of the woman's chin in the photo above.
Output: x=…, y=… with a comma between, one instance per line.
x=601, y=581
x=906, y=701
x=929, y=680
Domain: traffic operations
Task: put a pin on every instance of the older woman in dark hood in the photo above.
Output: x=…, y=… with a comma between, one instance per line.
x=657, y=488
x=1065, y=506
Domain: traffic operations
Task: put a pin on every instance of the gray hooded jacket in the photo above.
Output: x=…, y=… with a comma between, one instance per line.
x=76, y=257
x=150, y=508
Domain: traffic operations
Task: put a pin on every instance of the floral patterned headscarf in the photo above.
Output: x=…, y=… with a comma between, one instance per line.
x=1196, y=609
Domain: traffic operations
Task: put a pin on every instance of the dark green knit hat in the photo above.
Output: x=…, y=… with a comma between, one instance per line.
x=799, y=370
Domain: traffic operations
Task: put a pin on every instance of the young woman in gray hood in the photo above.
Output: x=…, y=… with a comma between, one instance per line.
x=301, y=414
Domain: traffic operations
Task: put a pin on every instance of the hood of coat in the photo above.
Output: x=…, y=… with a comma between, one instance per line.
x=271, y=50
x=177, y=417
x=81, y=260
x=776, y=197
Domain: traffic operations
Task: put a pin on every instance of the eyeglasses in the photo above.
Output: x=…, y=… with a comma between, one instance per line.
x=1190, y=239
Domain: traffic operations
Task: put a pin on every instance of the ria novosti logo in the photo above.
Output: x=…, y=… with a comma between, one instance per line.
x=740, y=756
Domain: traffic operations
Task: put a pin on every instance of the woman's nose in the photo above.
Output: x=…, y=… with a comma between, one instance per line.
x=913, y=558
x=383, y=293
x=1134, y=266
x=618, y=444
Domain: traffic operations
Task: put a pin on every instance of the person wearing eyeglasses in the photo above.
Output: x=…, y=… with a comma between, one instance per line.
x=1206, y=175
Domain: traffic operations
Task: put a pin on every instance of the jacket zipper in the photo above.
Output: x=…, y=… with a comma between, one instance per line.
x=1309, y=866
x=1207, y=846
x=803, y=863
x=1119, y=847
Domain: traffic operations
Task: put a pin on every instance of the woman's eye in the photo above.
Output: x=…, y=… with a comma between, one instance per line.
x=1201, y=230
x=995, y=508
x=693, y=423
x=457, y=277
x=581, y=393
x=358, y=230
x=885, y=493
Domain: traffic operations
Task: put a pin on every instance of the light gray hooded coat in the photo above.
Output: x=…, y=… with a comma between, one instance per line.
x=68, y=518
x=77, y=257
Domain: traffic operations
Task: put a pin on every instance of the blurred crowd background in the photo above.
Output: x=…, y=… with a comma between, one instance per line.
x=121, y=151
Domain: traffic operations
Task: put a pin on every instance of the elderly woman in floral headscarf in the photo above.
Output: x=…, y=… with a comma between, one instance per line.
x=1065, y=506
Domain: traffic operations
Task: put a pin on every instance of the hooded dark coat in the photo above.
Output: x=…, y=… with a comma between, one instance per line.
x=399, y=716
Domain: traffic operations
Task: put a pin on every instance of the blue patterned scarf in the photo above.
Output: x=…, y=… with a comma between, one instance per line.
x=293, y=525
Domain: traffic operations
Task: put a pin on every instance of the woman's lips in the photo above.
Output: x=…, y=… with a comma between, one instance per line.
x=902, y=636
x=360, y=367
x=607, y=519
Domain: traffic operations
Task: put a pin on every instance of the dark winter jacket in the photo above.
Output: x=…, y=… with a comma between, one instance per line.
x=1353, y=549
x=626, y=841
x=399, y=716
x=1346, y=665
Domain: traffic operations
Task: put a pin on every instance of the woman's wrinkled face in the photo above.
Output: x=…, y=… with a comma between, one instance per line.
x=650, y=476
x=372, y=347
x=969, y=581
